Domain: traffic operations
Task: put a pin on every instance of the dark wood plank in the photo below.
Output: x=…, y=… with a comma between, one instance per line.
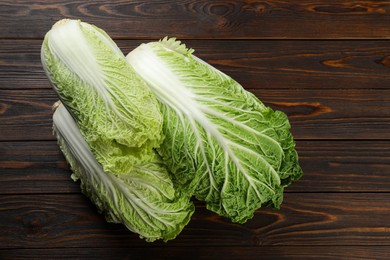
x=26, y=115
x=339, y=166
x=305, y=219
x=34, y=167
x=314, y=114
x=255, y=64
x=204, y=19
x=333, y=114
x=343, y=166
x=205, y=252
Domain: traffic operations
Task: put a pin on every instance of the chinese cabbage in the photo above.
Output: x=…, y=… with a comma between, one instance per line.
x=144, y=200
x=115, y=110
x=221, y=142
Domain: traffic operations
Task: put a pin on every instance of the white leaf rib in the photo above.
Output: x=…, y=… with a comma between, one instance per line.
x=171, y=91
x=240, y=124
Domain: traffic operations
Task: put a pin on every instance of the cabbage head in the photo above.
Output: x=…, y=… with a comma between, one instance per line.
x=144, y=199
x=222, y=143
x=115, y=110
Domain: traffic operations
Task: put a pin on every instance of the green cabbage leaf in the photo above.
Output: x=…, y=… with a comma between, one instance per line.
x=115, y=110
x=221, y=142
x=144, y=200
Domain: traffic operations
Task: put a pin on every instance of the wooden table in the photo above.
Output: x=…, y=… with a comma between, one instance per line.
x=325, y=63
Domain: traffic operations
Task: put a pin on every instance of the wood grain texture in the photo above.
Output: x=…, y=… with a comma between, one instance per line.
x=255, y=64
x=52, y=221
x=314, y=114
x=333, y=114
x=325, y=63
x=342, y=166
x=33, y=168
x=26, y=115
x=228, y=19
x=205, y=252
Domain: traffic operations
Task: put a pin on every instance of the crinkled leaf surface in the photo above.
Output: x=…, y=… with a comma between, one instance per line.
x=115, y=110
x=222, y=143
x=144, y=200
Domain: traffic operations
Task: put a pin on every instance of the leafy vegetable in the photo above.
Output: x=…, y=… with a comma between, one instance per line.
x=108, y=138
x=124, y=127
x=144, y=200
x=223, y=144
x=115, y=110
